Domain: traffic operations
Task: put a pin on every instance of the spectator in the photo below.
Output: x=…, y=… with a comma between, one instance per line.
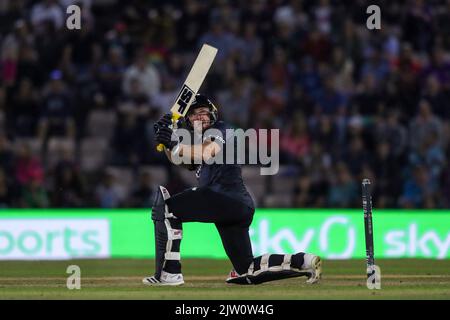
x=329, y=100
x=445, y=190
x=323, y=131
x=343, y=69
x=308, y=194
x=375, y=65
x=26, y=110
x=142, y=197
x=20, y=36
x=351, y=43
x=439, y=67
x=146, y=74
x=322, y=15
x=369, y=98
x=111, y=73
x=191, y=24
x=278, y=75
x=298, y=97
x=173, y=77
x=68, y=188
x=417, y=191
x=234, y=104
x=6, y=196
x=423, y=126
x=8, y=64
x=406, y=72
x=262, y=107
x=251, y=50
x=3, y=105
x=56, y=116
x=47, y=10
x=343, y=190
x=118, y=36
x=443, y=24
x=83, y=50
x=356, y=156
x=430, y=155
x=28, y=66
x=277, y=71
x=218, y=37
x=418, y=26
x=392, y=132
x=317, y=45
x=308, y=77
x=127, y=142
x=108, y=193
x=391, y=42
x=28, y=168
x=165, y=98
x=134, y=102
x=341, y=130
x=174, y=72
x=303, y=194
x=388, y=176
x=6, y=154
x=318, y=165
x=295, y=143
x=34, y=194
x=437, y=97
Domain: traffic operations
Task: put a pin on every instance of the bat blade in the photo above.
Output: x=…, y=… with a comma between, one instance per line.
x=194, y=80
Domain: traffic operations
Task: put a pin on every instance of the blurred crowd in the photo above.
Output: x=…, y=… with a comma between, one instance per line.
x=349, y=102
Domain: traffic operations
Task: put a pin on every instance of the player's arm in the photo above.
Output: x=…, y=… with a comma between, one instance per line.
x=197, y=153
x=193, y=153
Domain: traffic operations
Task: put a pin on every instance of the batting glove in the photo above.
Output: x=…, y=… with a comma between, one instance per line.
x=164, y=136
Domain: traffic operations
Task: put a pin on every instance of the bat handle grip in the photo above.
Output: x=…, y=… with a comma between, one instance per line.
x=160, y=147
x=175, y=117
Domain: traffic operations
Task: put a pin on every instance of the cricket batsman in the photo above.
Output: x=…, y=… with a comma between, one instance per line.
x=221, y=198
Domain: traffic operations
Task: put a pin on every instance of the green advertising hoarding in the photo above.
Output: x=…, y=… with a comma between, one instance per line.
x=333, y=234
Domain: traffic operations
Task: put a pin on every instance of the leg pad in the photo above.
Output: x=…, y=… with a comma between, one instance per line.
x=168, y=235
x=269, y=267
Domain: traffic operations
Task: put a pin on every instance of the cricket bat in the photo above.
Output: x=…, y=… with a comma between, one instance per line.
x=192, y=84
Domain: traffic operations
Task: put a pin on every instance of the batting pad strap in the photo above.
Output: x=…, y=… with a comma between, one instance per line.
x=168, y=214
x=164, y=193
x=174, y=234
x=286, y=265
x=264, y=265
x=172, y=256
x=250, y=269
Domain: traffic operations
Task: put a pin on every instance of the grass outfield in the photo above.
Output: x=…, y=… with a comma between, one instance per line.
x=121, y=279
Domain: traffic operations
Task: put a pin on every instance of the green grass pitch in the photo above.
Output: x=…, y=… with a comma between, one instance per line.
x=121, y=279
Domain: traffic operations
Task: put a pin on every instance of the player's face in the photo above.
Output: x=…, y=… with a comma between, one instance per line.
x=202, y=115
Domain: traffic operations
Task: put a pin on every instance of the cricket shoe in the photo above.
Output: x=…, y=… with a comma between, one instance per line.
x=166, y=279
x=234, y=277
x=313, y=266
